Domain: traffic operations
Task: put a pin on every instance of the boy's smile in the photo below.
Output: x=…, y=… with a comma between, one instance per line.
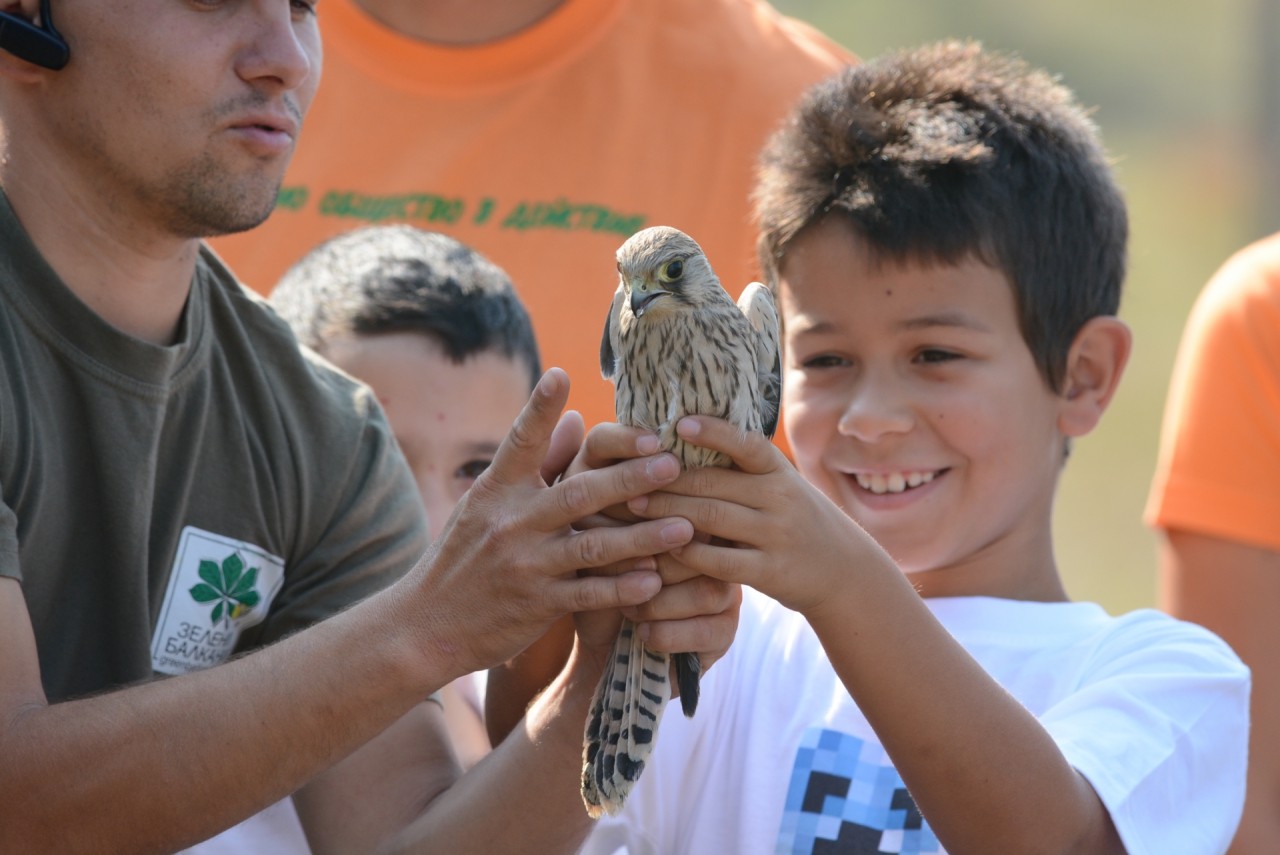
x=913, y=401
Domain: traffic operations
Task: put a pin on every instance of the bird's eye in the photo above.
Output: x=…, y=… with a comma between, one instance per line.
x=674, y=270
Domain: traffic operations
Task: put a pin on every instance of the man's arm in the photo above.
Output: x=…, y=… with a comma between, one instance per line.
x=1234, y=589
x=163, y=765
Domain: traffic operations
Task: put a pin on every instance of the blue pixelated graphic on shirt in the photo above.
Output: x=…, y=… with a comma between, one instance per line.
x=845, y=798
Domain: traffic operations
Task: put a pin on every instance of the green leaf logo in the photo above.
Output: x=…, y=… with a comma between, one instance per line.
x=231, y=586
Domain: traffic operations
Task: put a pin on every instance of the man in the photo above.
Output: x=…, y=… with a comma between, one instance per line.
x=180, y=483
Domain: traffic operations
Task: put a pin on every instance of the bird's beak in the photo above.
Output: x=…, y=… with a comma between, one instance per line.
x=642, y=299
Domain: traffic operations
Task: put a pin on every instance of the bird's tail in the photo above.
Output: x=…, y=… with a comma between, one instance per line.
x=688, y=678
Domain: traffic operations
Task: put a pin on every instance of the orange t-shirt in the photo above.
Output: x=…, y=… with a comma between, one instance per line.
x=546, y=150
x=1219, y=470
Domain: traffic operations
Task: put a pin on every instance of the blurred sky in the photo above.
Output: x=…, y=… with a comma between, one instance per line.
x=1179, y=95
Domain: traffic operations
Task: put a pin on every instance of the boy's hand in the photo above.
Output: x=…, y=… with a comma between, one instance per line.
x=692, y=612
x=777, y=533
x=700, y=616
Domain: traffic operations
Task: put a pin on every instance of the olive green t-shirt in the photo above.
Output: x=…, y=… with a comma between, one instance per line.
x=165, y=507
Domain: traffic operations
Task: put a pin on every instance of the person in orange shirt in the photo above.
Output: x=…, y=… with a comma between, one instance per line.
x=542, y=133
x=1216, y=499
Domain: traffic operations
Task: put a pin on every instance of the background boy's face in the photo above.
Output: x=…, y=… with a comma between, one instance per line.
x=449, y=418
x=912, y=400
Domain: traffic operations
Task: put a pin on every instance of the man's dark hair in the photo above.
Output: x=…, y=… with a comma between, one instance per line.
x=944, y=152
x=400, y=279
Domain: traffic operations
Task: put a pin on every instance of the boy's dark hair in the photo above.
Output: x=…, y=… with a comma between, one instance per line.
x=400, y=279
x=943, y=152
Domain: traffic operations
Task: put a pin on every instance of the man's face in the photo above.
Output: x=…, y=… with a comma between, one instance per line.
x=448, y=418
x=185, y=112
x=912, y=401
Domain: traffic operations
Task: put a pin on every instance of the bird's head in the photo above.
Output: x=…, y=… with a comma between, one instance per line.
x=663, y=269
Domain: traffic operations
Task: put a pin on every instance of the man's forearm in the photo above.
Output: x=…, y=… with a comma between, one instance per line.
x=524, y=796
x=160, y=766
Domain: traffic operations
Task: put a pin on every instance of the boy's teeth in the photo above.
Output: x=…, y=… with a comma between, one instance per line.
x=894, y=482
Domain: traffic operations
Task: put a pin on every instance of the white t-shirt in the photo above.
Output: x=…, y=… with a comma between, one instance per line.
x=1152, y=711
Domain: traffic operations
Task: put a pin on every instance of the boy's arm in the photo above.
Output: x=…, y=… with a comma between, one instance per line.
x=981, y=768
x=531, y=781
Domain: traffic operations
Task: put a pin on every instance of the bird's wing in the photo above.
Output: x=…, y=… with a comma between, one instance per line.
x=757, y=304
x=609, y=341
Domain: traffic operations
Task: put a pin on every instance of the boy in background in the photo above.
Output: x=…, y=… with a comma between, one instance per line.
x=947, y=246
x=439, y=334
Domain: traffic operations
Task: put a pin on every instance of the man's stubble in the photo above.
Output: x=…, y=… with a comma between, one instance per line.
x=200, y=197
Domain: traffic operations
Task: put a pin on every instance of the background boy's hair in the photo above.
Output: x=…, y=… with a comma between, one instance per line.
x=400, y=279
x=943, y=152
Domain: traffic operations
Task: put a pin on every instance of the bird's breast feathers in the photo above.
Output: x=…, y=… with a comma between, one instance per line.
x=698, y=362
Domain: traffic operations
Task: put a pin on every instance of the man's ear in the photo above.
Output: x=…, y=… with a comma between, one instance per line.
x=19, y=70
x=1094, y=366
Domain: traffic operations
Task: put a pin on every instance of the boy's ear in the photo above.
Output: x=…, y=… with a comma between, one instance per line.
x=1094, y=365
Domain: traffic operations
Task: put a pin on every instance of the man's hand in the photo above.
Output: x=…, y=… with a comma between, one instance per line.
x=506, y=565
x=691, y=613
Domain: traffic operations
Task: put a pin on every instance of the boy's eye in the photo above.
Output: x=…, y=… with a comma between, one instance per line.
x=306, y=7
x=472, y=469
x=933, y=356
x=826, y=360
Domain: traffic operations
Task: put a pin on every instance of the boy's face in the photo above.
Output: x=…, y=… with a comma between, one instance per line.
x=449, y=418
x=912, y=400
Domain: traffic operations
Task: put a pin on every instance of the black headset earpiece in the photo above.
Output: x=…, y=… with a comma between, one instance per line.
x=40, y=45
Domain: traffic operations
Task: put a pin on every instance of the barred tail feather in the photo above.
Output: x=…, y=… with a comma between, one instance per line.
x=688, y=677
x=623, y=723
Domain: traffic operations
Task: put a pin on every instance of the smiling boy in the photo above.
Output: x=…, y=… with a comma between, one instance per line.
x=947, y=245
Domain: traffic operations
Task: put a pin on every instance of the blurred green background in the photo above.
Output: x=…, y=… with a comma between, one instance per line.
x=1181, y=96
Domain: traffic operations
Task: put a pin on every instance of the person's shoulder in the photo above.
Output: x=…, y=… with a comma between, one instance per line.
x=762, y=48
x=1246, y=289
x=759, y=28
x=308, y=389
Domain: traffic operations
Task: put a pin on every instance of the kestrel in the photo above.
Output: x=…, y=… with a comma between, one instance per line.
x=675, y=344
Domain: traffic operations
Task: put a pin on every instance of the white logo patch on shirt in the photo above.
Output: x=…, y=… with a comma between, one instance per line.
x=218, y=587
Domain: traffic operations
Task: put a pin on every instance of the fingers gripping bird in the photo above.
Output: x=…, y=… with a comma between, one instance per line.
x=675, y=344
